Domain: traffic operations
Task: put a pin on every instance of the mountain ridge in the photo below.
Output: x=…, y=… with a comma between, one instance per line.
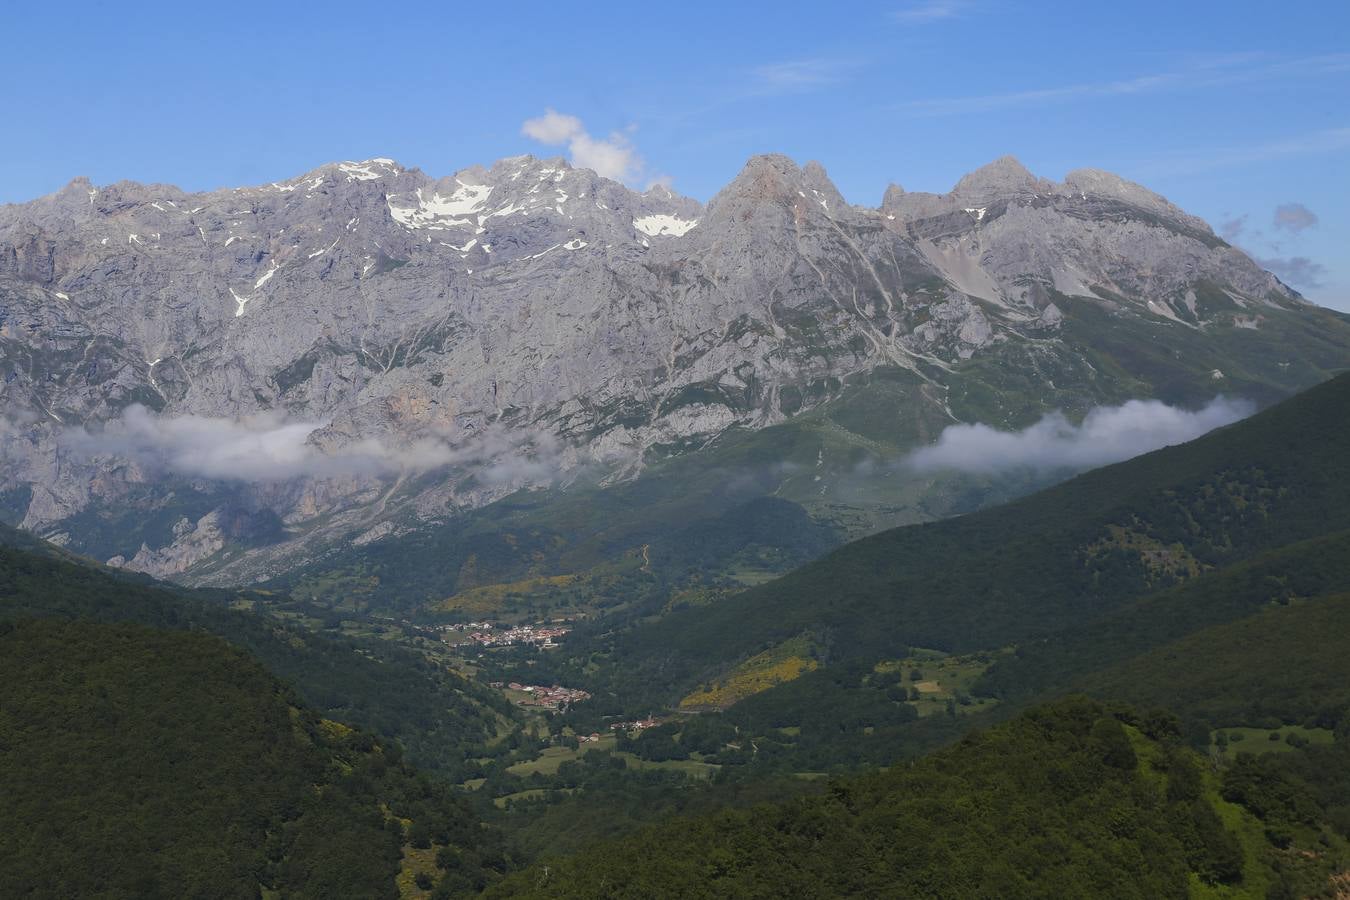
x=540, y=324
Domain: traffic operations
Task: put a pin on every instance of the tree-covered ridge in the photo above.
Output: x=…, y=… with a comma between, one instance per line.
x=1296, y=572
x=1285, y=664
x=1069, y=800
x=137, y=762
x=1067, y=555
x=439, y=717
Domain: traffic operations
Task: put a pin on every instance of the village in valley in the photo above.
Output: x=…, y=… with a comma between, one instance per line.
x=486, y=634
x=554, y=697
x=502, y=654
x=540, y=636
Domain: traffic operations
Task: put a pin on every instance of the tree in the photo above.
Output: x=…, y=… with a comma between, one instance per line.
x=1116, y=751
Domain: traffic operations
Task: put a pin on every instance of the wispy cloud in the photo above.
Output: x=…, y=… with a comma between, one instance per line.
x=1294, y=217
x=1209, y=73
x=930, y=11
x=1107, y=434
x=799, y=75
x=1232, y=228
x=611, y=157
x=1300, y=271
x=955, y=106
x=755, y=83
x=1331, y=140
x=269, y=449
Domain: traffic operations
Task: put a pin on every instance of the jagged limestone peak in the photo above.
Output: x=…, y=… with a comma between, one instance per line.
x=1003, y=178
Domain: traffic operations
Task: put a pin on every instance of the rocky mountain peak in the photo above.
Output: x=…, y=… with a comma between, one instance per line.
x=821, y=189
x=476, y=174
x=774, y=185
x=1003, y=178
x=764, y=176
x=73, y=199
x=366, y=170
x=79, y=186
x=1109, y=186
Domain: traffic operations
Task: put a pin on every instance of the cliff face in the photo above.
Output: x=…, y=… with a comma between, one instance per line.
x=310, y=360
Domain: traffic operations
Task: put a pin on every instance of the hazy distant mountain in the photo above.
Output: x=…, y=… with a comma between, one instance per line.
x=223, y=386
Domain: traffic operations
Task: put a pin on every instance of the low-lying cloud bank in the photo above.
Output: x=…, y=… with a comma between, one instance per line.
x=268, y=448
x=1108, y=434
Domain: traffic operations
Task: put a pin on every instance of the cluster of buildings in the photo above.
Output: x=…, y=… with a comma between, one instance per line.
x=637, y=724
x=466, y=626
x=555, y=697
x=485, y=634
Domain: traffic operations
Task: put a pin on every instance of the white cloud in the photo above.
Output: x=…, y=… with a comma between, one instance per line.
x=612, y=157
x=1107, y=434
x=552, y=128
x=268, y=448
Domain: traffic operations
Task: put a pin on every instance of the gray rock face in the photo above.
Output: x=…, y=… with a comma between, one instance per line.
x=193, y=543
x=1005, y=236
x=523, y=321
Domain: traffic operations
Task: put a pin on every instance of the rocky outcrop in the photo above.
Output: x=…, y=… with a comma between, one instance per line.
x=193, y=543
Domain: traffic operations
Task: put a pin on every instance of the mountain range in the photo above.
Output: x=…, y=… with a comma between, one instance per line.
x=229, y=387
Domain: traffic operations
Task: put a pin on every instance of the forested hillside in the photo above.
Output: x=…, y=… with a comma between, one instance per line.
x=1287, y=664
x=1298, y=572
x=137, y=762
x=1065, y=556
x=439, y=717
x=1070, y=800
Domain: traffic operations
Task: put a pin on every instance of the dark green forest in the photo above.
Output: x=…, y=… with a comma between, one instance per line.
x=1070, y=800
x=1299, y=571
x=137, y=762
x=442, y=720
x=1287, y=664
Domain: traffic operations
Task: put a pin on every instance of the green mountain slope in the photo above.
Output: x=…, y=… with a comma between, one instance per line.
x=1067, y=800
x=1300, y=571
x=1288, y=663
x=1067, y=555
x=145, y=763
x=704, y=527
x=1267, y=647
x=440, y=718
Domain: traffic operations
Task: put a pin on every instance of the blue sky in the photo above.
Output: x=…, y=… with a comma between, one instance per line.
x=1237, y=111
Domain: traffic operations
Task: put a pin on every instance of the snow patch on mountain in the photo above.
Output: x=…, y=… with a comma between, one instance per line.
x=437, y=211
x=662, y=224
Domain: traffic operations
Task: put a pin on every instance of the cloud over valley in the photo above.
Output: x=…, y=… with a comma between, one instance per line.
x=1107, y=434
x=270, y=448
